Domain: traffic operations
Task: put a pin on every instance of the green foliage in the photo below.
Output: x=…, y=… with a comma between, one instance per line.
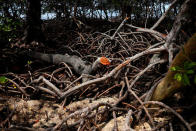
x=185, y=74
x=178, y=76
x=8, y=28
x=7, y=24
x=3, y=80
x=29, y=62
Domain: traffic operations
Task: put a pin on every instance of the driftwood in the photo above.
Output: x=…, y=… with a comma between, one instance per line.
x=79, y=66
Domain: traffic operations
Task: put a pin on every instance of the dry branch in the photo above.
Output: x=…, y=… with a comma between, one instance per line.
x=170, y=109
x=121, y=25
x=164, y=15
x=112, y=73
x=180, y=20
x=133, y=93
x=128, y=121
x=18, y=87
x=50, y=85
x=83, y=111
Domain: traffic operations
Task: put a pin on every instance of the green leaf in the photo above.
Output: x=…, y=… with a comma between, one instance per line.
x=176, y=68
x=190, y=72
x=186, y=80
x=8, y=20
x=189, y=65
x=192, y=65
x=3, y=80
x=178, y=77
x=7, y=28
x=173, y=68
x=29, y=62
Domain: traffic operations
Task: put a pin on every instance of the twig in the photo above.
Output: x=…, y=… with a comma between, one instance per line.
x=47, y=90
x=164, y=15
x=81, y=124
x=116, y=69
x=58, y=70
x=170, y=126
x=19, y=88
x=157, y=44
x=115, y=127
x=133, y=93
x=129, y=105
x=108, y=89
x=128, y=121
x=30, y=74
x=22, y=128
x=79, y=78
x=122, y=83
x=132, y=26
x=193, y=123
x=9, y=116
x=17, y=77
x=47, y=82
x=121, y=98
x=171, y=37
x=85, y=91
x=55, y=79
x=143, y=71
x=67, y=67
x=170, y=109
x=123, y=22
x=82, y=111
x=45, y=68
x=159, y=36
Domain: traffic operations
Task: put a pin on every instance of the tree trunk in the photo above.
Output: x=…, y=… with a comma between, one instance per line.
x=33, y=31
x=168, y=86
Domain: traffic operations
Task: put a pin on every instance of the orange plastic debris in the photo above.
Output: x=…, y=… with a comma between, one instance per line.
x=127, y=18
x=36, y=121
x=164, y=35
x=104, y=61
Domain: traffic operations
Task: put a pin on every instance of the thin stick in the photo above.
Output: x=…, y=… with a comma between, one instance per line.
x=116, y=69
x=21, y=90
x=170, y=109
x=123, y=22
x=50, y=85
x=143, y=71
x=133, y=93
x=128, y=121
x=164, y=15
x=115, y=127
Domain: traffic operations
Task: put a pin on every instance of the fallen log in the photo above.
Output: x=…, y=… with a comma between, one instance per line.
x=79, y=66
